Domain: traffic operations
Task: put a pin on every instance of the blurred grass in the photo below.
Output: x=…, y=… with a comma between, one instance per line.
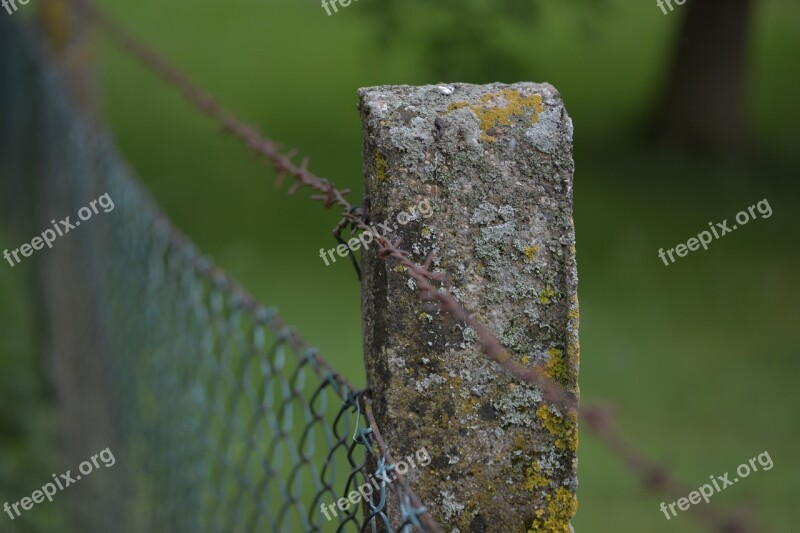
x=700, y=356
x=27, y=425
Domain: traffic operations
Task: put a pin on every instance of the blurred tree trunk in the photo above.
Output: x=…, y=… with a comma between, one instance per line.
x=702, y=104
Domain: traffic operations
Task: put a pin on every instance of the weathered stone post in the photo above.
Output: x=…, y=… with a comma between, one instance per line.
x=479, y=176
x=73, y=341
x=67, y=30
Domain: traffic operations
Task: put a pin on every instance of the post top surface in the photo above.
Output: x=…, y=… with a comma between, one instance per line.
x=445, y=94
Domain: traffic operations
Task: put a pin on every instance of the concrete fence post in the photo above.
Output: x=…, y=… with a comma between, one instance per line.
x=67, y=173
x=479, y=177
x=68, y=34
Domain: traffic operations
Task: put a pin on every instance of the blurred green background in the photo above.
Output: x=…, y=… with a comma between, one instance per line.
x=699, y=358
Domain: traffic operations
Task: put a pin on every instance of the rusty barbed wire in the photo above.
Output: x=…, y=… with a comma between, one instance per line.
x=202, y=100
x=431, y=285
x=330, y=196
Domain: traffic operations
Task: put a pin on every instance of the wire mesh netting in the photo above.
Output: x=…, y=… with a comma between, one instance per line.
x=218, y=416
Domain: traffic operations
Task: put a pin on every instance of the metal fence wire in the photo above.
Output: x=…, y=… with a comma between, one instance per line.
x=219, y=417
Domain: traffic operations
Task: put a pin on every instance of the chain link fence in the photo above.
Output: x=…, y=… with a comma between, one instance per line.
x=219, y=417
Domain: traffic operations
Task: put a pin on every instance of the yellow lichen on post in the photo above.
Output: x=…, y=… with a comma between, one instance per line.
x=381, y=167
x=530, y=253
x=556, y=366
x=501, y=115
x=546, y=295
x=560, y=511
x=564, y=428
x=534, y=479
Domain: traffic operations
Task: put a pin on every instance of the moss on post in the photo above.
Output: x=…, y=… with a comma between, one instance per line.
x=495, y=164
